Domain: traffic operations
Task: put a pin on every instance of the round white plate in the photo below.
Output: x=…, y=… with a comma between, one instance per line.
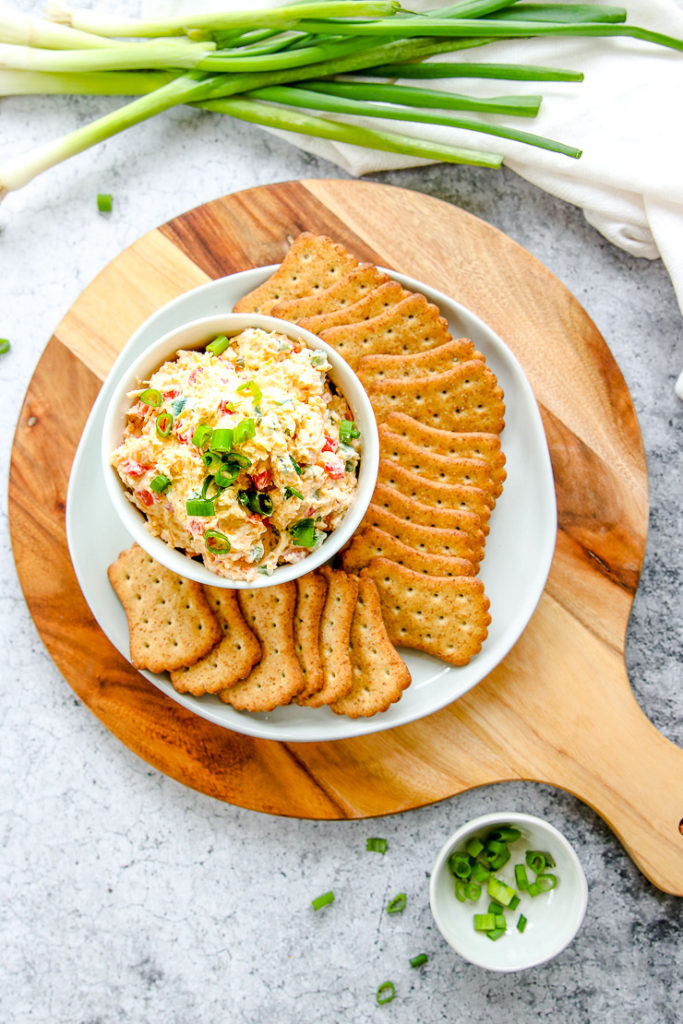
x=519, y=548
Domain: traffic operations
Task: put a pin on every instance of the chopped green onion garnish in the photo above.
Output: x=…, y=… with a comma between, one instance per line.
x=505, y=833
x=202, y=435
x=460, y=891
x=534, y=889
x=297, y=468
x=514, y=903
x=495, y=933
x=257, y=502
x=495, y=908
x=500, y=921
x=199, y=507
x=218, y=346
x=386, y=992
x=546, y=882
x=238, y=459
x=536, y=861
x=291, y=492
x=151, y=397
x=484, y=922
x=216, y=542
x=479, y=872
x=474, y=847
x=4, y=346
x=244, y=430
x=417, y=961
x=212, y=461
x=164, y=422
x=322, y=901
x=521, y=924
x=521, y=877
x=226, y=475
x=160, y=483
x=472, y=890
x=347, y=431
x=397, y=905
x=459, y=865
x=104, y=202
x=303, y=533
x=499, y=891
x=221, y=440
x=252, y=386
x=376, y=845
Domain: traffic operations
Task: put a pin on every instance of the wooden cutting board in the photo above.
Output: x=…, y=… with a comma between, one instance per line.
x=559, y=709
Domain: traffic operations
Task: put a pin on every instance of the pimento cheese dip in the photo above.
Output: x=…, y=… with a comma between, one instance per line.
x=241, y=453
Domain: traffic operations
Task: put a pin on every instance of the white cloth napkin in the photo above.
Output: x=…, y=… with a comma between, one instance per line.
x=625, y=116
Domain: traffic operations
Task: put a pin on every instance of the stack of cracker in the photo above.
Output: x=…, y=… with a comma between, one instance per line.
x=441, y=413
x=318, y=642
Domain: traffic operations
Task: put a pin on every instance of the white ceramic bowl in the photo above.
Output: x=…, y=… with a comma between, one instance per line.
x=196, y=334
x=553, y=918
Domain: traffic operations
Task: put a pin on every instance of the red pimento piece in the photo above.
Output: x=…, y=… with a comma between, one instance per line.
x=225, y=408
x=331, y=444
x=334, y=468
x=146, y=498
x=134, y=469
x=262, y=480
x=173, y=393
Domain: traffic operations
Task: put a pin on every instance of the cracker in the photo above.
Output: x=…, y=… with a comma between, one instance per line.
x=371, y=305
x=391, y=514
x=347, y=290
x=169, y=618
x=231, y=659
x=452, y=469
x=464, y=398
x=335, y=630
x=433, y=492
x=379, y=673
x=313, y=263
x=376, y=543
x=446, y=616
x=449, y=442
x=418, y=364
x=412, y=325
x=278, y=676
x=311, y=591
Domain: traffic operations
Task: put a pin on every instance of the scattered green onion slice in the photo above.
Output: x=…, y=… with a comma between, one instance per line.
x=219, y=345
x=322, y=901
x=151, y=397
x=514, y=903
x=505, y=834
x=474, y=847
x=253, y=387
x=238, y=459
x=376, y=845
x=419, y=960
x=480, y=873
x=221, y=440
x=521, y=877
x=303, y=533
x=484, y=922
x=499, y=891
x=385, y=993
x=212, y=461
x=495, y=908
x=297, y=468
x=534, y=889
x=244, y=431
x=257, y=502
x=216, y=542
x=495, y=933
x=397, y=905
x=199, y=507
x=460, y=891
x=536, y=861
x=202, y=435
x=291, y=492
x=521, y=923
x=226, y=475
x=4, y=346
x=164, y=422
x=472, y=890
x=546, y=882
x=347, y=431
x=104, y=202
x=459, y=865
x=160, y=483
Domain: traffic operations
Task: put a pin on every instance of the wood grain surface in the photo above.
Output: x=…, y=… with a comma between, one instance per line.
x=558, y=709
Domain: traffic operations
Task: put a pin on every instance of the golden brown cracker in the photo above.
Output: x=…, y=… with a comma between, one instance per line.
x=375, y=302
x=432, y=492
x=335, y=630
x=411, y=325
x=231, y=659
x=373, y=542
x=347, y=290
x=452, y=469
x=277, y=678
x=311, y=591
x=451, y=442
x=404, y=509
x=169, y=619
x=446, y=616
x=465, y=398
x=379, y=673
x=313, y=263
x=392, y=512
x=417, y=364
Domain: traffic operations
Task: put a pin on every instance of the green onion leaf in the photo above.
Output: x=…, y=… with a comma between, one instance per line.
x=480, y=873
x=297, y=468
x=495, y=908
x=495, y=933
x=202, y=435
x=226, y=475
x=484, y=922
x=104, y=202
x=505, y=834
x=397, y=905
x=160, y=483
x=163, y=424
x=521, y=923
x=219, y=345
x=151, y=397
x=499, y=891
x=459, y=865
x=460, y=891
x=348, y=431
x=534, y=889
x=291, y=492
x=221, y=440
x=4, y=346
x=472, y=890
x=376, y=845
x=238, y=459
x=199, y=507
x=521, y=877
x=514, y=903
x=303, y=533
x=322, y=901
x=216, y=542
x=419, y=960
x=253, y=387
x=474, y=847
x=546, y=882
x=212, y=461
x=536, y=861
x=244, y=431
x=385, y=993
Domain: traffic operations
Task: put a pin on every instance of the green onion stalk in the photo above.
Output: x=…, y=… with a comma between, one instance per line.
x=286, y=66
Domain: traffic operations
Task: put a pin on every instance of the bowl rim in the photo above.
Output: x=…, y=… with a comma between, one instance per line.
x=578, y=883
x=129, y=374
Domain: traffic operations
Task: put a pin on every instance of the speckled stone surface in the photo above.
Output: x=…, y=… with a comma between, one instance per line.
x=126, y=897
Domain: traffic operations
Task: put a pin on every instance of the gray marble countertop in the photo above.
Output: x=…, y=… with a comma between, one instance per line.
x=126, y=897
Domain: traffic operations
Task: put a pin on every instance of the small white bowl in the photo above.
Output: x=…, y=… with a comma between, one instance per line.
x=553, y=918
x=195, y=335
